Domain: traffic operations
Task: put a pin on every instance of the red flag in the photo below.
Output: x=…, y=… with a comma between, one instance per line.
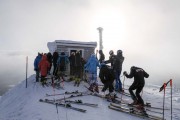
x=164, y=86
x=171, y=82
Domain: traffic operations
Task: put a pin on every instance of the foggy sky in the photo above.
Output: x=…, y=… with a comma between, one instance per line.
x=146, y=30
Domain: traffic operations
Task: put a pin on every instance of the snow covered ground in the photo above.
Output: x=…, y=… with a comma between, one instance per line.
x=22, y=103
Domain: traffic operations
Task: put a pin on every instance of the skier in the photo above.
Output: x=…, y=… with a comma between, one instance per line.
x=78, y=68
x=49, y=58
x=72, y=65
x=55, y=58
x=62, y=62
x=106, y=76
x=117, y=67
x=138, y=84
x=102, y=56
x=91, y=67
x=83, y=72
x=36, y=63
x=111, y=58
x=44, y=67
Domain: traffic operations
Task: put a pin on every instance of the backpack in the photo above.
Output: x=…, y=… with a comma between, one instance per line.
x=62, y=61
x=106, y=73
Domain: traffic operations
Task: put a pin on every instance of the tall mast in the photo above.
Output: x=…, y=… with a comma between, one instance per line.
x=100, y=29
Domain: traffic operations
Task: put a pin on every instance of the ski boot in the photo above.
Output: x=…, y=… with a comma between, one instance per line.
x=78, y=82
x=91, y=88
x=111, y=97
x=96, y=88
x=135, y=102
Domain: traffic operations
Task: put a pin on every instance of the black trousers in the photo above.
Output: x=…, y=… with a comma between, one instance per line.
x=138, y=89
x=108, y=84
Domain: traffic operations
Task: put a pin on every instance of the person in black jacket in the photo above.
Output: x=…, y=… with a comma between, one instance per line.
x=117, y=66
x=111, y=58
x=78, y=68
x=55, y=58
x=106, y=76
x=72, y=65
x=49, y=58
x=102, y=56
x=138, y=84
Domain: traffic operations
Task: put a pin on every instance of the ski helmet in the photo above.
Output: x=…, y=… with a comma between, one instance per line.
x=111, y=52
x=119, y=51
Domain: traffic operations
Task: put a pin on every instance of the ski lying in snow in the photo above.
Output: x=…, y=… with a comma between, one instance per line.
x=79, y=102
x=72, y=96
x=62, y=105
x=135, y=107
x=74, y=92
x=133, y=112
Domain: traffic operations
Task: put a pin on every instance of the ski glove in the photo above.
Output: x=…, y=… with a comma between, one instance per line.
x=125, y=73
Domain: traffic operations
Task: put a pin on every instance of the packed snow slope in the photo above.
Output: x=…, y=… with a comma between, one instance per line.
x=22, y=103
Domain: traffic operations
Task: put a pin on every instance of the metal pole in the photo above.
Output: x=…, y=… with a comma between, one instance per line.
x=171, y=97
x=100, y=29
x=164, y=99
x=26, y=69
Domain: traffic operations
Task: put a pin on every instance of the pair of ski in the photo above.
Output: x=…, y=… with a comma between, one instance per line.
x=79, y=102
x=134, y=111
x=74, y=95
x=62, y=105
x=66, y=93
x=146, y=105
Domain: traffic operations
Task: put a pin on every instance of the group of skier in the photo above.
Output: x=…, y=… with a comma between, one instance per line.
x=107, y=74
x=59, y=62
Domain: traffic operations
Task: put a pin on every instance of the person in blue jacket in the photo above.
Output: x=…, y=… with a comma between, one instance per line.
x=36, y=63
x=91, y=67
x=62, y=61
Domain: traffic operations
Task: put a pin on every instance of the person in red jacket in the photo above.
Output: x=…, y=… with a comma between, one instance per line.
x=44, y=66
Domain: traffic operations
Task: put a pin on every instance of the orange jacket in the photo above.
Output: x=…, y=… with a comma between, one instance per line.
x=44, y=65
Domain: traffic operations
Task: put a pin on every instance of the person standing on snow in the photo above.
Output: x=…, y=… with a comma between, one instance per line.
x=111, y=58
x=117, y=67
x=106, y=76
x=72, y=65
x=49, y=58
x=102, y=56
x=78, y=68
x=138, y=84
x=55, y=58
x=62, y=61
x=36, y=63
x=91, y=67
x=44, y=66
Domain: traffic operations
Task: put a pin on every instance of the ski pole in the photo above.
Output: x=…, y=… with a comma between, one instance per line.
x=54, y=96
x=171, y=97
x=26, y=69
x=123, y=87
x=164, y=99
